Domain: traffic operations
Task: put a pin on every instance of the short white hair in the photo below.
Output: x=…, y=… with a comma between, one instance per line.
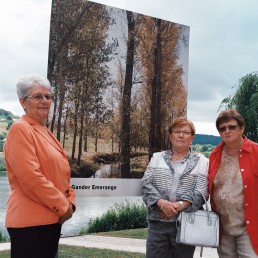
x=26, y=83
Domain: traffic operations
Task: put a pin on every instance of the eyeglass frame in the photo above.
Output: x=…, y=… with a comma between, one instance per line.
x=179, y=132
x=39, y=97
x=229, y=127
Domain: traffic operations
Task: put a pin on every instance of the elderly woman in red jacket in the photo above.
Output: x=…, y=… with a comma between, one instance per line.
x=233, y=186
x=40, y=198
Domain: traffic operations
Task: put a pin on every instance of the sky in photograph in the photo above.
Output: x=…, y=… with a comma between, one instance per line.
x=223, y=47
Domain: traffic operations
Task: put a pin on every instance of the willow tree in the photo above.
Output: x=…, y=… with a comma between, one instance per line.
x=245, y=100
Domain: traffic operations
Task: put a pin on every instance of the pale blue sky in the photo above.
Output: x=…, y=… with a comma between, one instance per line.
x=223, y=47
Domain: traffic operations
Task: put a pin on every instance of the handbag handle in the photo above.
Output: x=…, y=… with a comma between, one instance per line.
x=206, y=208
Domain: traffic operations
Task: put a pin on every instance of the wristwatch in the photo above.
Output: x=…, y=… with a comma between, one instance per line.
x=181, y=203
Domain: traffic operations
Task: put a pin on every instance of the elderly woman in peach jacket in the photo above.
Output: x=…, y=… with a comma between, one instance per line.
x=40, y=198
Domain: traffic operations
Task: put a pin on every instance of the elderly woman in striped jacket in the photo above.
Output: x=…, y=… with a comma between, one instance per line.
x=174, y=180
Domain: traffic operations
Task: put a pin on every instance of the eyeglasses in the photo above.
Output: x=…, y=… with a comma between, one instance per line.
x=178, y=132
x=39, y=97
x=229, y=127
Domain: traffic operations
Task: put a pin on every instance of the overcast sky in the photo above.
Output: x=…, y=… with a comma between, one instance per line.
x=223, y=47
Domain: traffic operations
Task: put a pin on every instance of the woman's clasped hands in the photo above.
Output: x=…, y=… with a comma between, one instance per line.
x=168, y=209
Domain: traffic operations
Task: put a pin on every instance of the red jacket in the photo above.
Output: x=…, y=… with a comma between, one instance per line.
x=248, y=163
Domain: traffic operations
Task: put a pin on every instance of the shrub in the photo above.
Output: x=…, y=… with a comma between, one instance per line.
x=123, y=216
x=85, y=170
x=3, y=238
x=2, y=167
x=106, y=158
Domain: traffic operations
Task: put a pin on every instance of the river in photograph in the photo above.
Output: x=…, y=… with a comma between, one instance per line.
x=86, y=208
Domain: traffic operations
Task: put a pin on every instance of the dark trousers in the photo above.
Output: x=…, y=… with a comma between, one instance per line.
x=35, y=242
x=161, y=242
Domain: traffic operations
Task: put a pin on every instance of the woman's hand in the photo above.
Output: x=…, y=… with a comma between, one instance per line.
x=67, y=215
x=168, y=209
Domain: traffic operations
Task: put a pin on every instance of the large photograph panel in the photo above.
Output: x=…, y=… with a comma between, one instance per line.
x=119, y=79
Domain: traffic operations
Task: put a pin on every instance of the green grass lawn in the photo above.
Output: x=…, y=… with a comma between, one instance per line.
x=140, y=233
x=66, y=251
x=74, y=251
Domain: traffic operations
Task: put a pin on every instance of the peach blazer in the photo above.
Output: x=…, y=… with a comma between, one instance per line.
x=39, y=176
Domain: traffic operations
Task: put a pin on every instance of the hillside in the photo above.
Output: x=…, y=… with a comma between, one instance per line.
x=6, y=120
x=7, y=115
x=206, y=139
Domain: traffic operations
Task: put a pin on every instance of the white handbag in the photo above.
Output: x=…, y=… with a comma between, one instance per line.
x=199, y=228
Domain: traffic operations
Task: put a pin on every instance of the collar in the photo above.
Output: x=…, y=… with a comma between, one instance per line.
x=246, y=146
x=30, y=120
x=168, y=154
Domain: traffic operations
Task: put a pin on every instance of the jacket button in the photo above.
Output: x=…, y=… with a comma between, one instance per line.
x=242, y=170
x=246, y=204
x=247, y=222
x=245, y=186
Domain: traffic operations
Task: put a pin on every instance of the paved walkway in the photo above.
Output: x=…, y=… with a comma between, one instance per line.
x=116, y=243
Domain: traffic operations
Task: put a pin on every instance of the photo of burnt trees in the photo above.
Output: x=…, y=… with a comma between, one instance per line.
x=118, y=79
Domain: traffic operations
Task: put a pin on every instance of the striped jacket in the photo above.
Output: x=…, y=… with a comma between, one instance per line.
x=158, y=178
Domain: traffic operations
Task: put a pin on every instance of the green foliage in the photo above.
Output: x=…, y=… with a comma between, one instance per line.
x=2, y=137
x=7, y=114
x=6, y=120
x=3, y=238
x=8, y=117
x=245, y=100
x=10, y=122
x=2, y=162
x=2, y=167
x=126, y=215
x=205, y=149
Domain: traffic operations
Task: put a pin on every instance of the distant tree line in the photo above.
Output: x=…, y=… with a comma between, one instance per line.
x=206, y=139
